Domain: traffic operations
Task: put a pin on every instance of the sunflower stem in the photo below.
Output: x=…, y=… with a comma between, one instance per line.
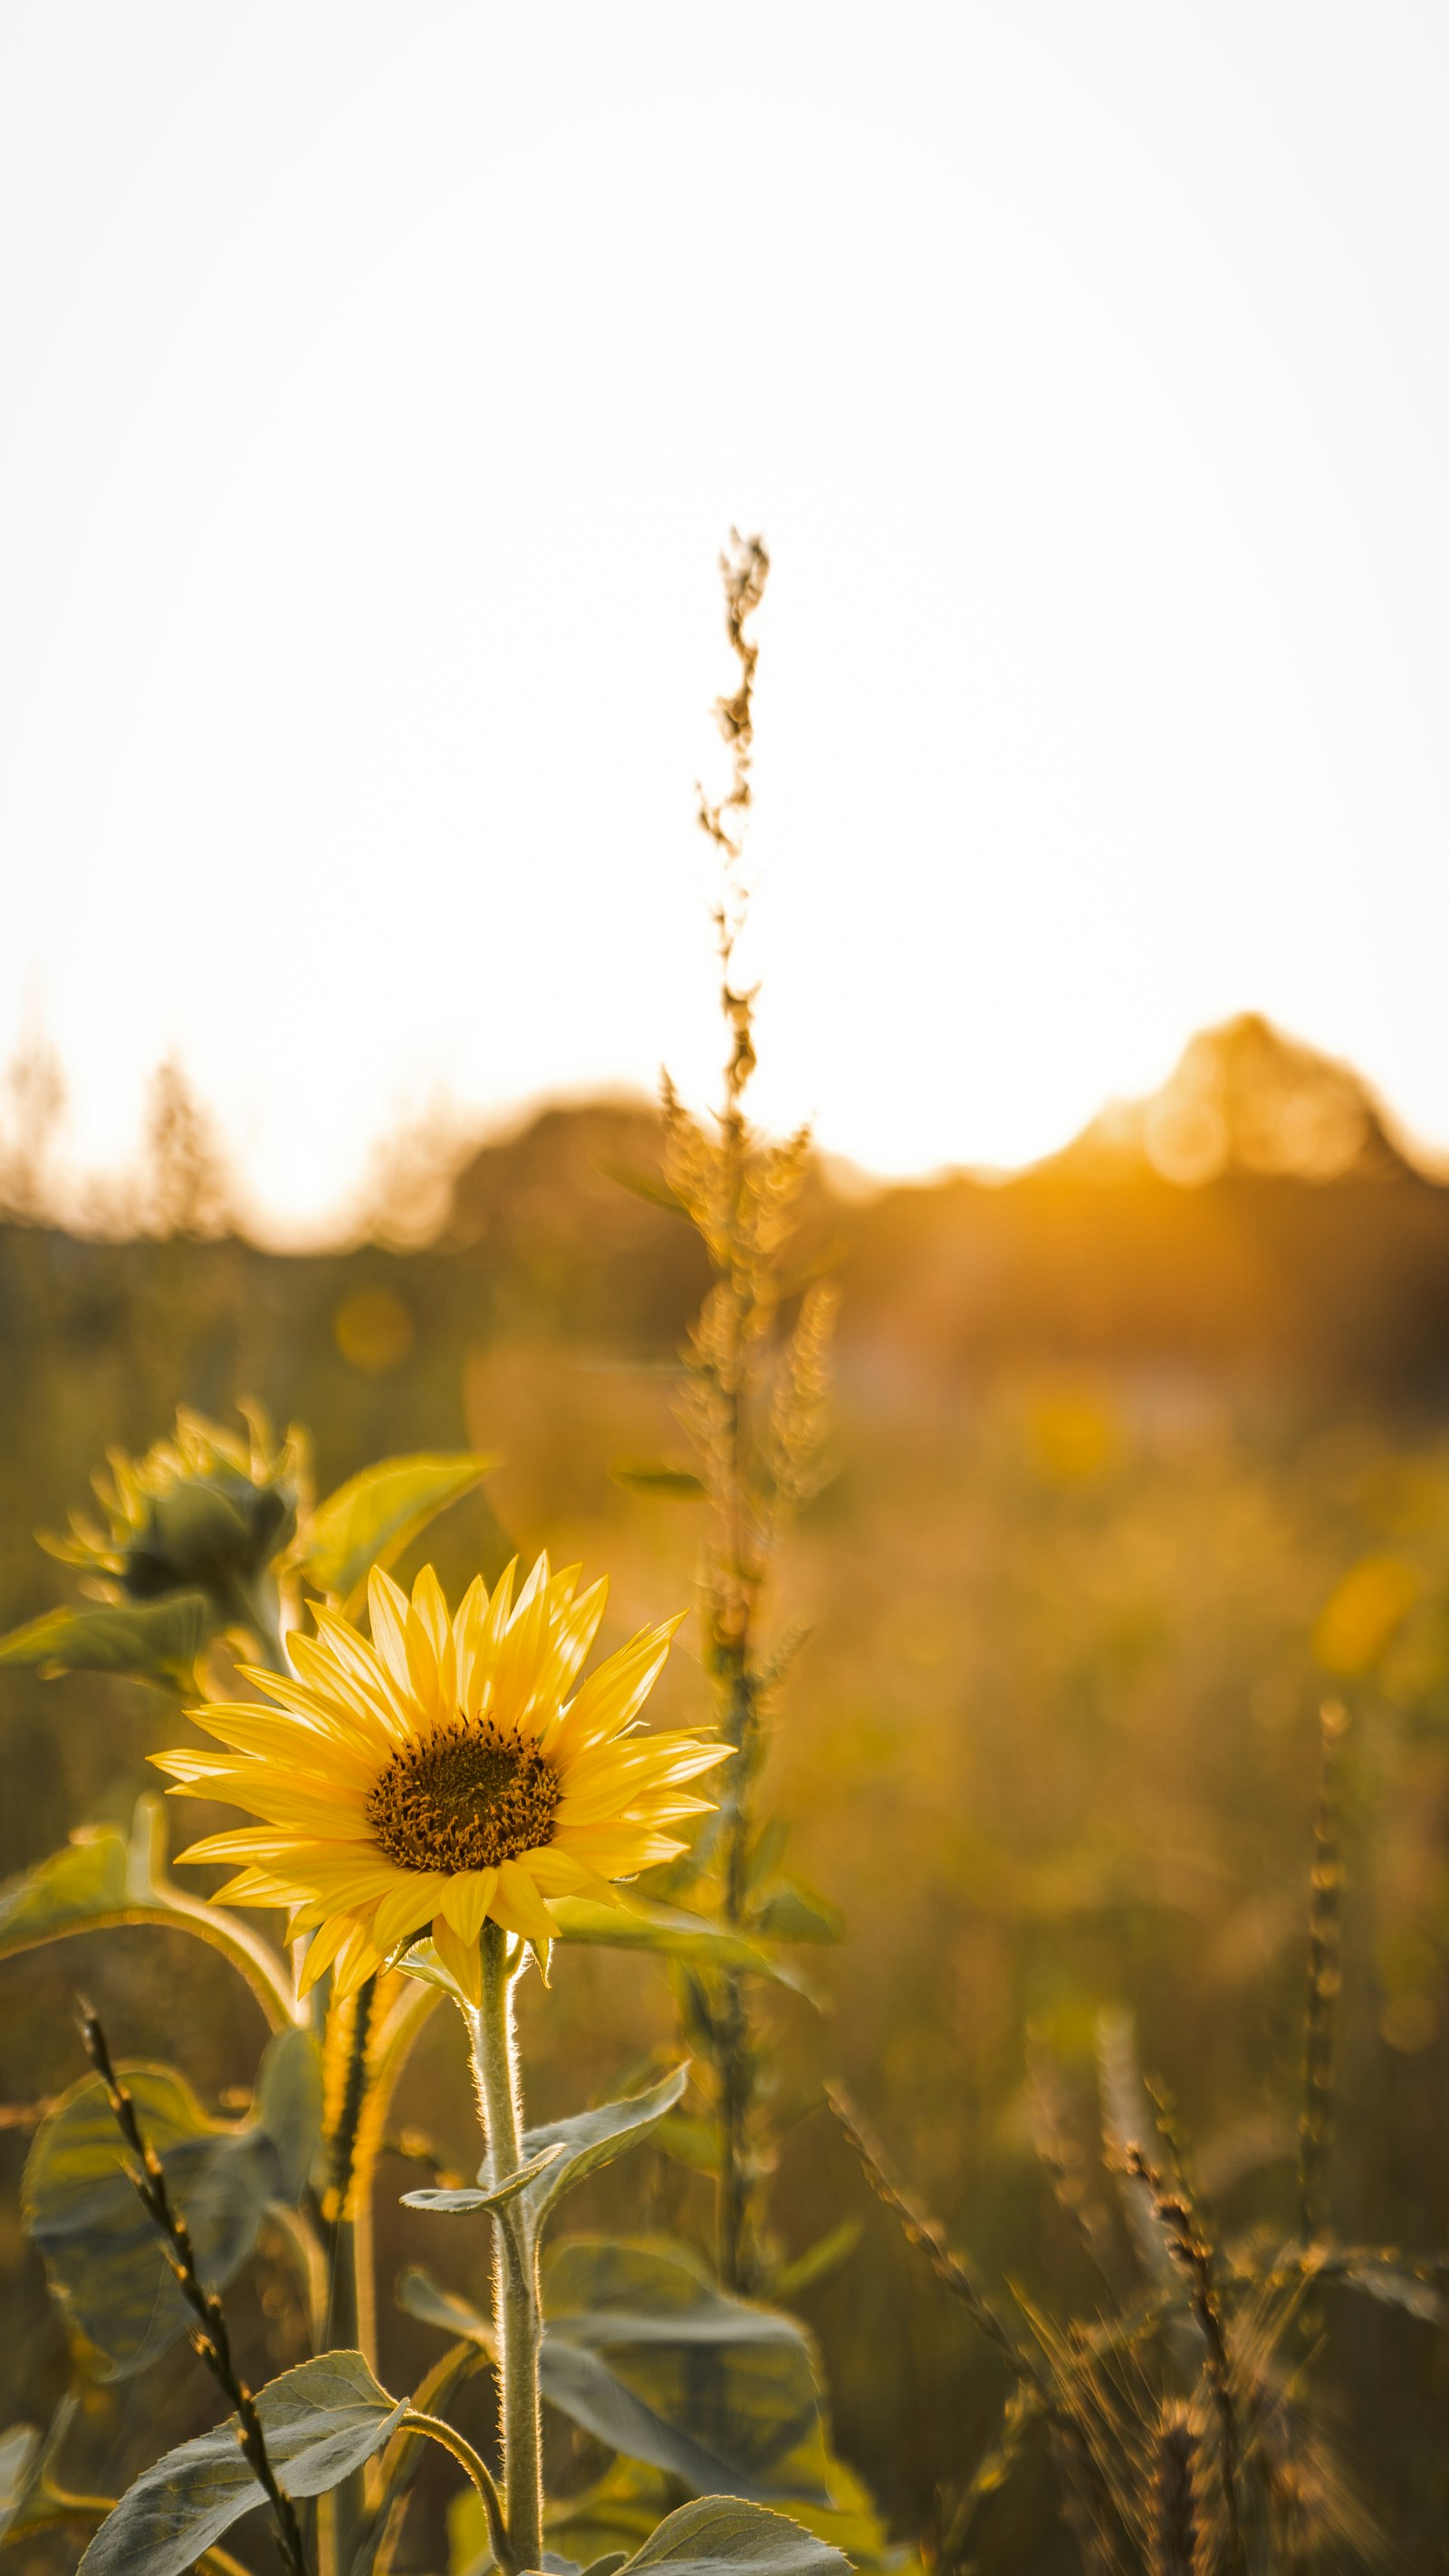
x=517, y=2311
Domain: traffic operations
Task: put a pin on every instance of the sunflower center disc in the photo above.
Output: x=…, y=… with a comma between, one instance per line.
x=467, y=1799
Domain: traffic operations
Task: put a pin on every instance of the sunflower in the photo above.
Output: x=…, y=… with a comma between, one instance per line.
x=442, y=1774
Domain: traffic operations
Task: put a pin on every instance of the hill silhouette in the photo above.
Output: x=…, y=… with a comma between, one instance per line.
x=1256, y=1215
x=1256, y=1211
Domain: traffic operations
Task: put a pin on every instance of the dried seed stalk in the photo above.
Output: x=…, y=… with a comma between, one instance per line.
x=209, y=2336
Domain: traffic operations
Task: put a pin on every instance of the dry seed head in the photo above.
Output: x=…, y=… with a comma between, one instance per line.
x=1177, y=2536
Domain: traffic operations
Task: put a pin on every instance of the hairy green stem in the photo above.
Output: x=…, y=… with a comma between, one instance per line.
x=437, y=2430
x=517, y=2310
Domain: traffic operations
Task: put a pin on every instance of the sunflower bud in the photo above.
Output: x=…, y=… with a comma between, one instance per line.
x=203, y=1511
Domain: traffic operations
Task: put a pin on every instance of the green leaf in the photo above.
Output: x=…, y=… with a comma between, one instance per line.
x=670, y=1933
x=321, y=2421
x=102, y=2250
x=641, y=2350
x=101, y=1877
x=798, y=1914
x=287, y=2108
x=664, y=1930
x=674, y=1484
x=372, y=1518
x=419, y=2295
x=28, y=2500
x=463, y=2200
x=585, y=2380
x=156, y=1641
x=719, y=2534
x=561, y=2154
x=92, y=1877
x=734, y=2380
x=818, y=2259
x=590, y=2140
x=19, y=2470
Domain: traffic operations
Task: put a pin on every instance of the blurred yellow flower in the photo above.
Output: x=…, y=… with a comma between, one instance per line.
x=442, y=1775
x=1362, y=1613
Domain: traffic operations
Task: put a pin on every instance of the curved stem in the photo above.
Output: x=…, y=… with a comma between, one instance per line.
x=246, y=1950
x=467, y=2458
x=517, y=2313
x=400, y=2462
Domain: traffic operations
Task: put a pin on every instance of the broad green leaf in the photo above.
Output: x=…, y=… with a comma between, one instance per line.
x=92, y=1877
x=321, y=2421
x=101, y=2249
x=419, y=2295
x=691, y=2140
x=673, y=1484
x=719, y=2534
x=665, y=1931
x=464, y=2200
x=28, y=2500
x=583, y=2385
x=669, y=1932
x=617, y=2516
x=287, y=2108
x=613, y=2518
x=372, y=1518
x=19, y=2468
x=738, y=2380
x=589, y=2140
x=156, y=1641
x=102, y=1877
x=798, y=1914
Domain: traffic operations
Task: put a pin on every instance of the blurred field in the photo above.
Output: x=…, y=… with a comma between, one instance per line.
x=1136, y=1458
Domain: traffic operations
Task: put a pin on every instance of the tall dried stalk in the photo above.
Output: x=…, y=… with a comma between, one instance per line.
x=209, y=2337
x=1325, y=1977
x=756, y=1416
x=1194, y=2255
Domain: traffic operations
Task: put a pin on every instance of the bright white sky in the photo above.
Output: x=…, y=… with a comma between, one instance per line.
x=381, y=382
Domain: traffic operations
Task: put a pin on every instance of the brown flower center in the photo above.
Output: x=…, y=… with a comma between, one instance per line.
x=468, y=1798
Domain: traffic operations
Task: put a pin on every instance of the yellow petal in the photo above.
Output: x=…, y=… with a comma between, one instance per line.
x=617, y=1691
x=521, y=1654
x=387, y=1609
x=462, y=1959
x=466, y=1900
x=556, y=1872
x=518, y=1906
x=468, y=1622
x=355, y=1963
x=407, y=1905
x=323, y=1949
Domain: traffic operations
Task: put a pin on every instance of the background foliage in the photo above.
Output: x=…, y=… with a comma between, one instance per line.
x=1134, y=1461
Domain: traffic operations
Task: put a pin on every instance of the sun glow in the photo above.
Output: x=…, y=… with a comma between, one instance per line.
x=383, y=411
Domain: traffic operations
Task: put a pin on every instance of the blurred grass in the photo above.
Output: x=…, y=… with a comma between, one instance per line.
x=1074, y=1597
